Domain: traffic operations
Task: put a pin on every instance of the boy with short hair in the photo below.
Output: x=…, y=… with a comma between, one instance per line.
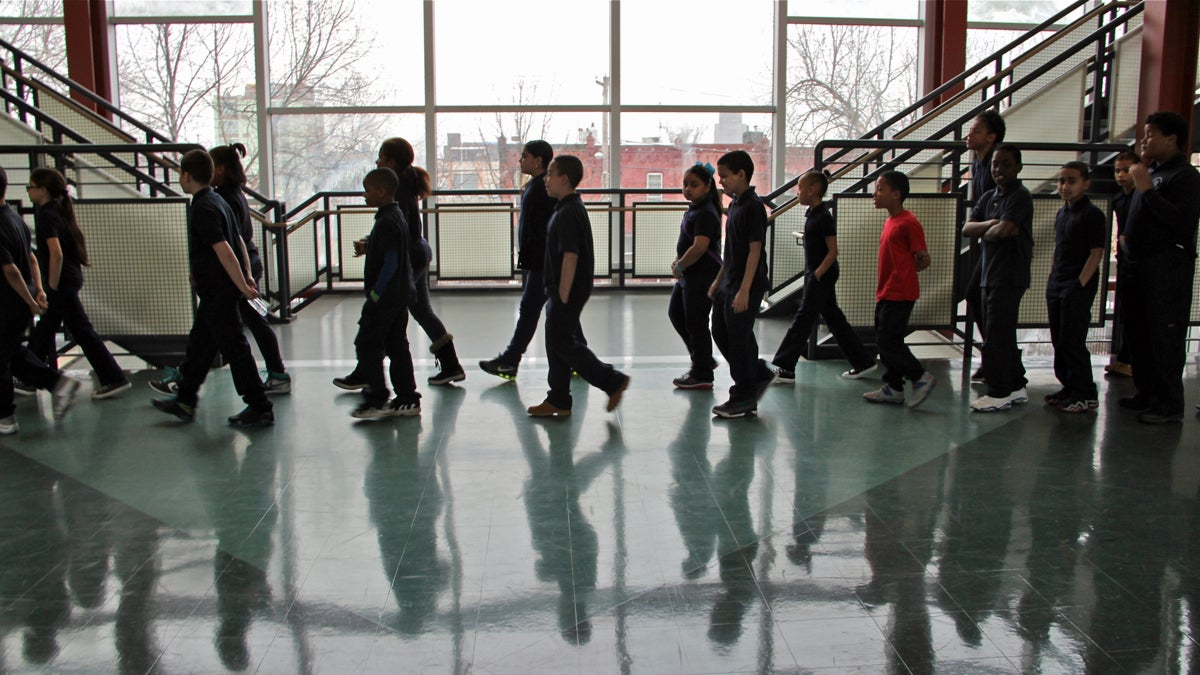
x=986, y=132
x=568, y=266
x=536, y=208
x=739, y=287
x=902, y=253
x=1120, y=208
x=819, y=298
x=221, y=277
x=1079, y=234
x=383, y=327
x=1003, y=222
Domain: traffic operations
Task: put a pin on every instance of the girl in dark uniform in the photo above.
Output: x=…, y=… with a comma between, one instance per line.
x=699, y=251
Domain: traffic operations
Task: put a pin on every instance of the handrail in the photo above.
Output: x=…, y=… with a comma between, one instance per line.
x=76, y=87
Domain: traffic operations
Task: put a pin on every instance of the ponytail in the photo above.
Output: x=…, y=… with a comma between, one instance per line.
x=400, y=152
x=55, y=185
x=230, y=158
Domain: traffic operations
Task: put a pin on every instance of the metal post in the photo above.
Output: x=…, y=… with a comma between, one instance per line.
x=262, y=101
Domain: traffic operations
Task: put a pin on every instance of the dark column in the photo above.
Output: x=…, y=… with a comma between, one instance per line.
x=1170, y=36
x=943, y=44
x=86, y=24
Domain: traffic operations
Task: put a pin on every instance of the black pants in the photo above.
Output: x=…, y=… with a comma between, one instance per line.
x=891, y=327
x=819, y=299
x=422, y=307
x=690, y=311
x=264, y=336
x=1119, y=312
x=565, y=351
x=1002, y=368
x=383, y=331
x=533, y=298
x=1069, y=314
x=974, y=296
x=65, y=308
x=1160, y=300
x=218, y=328
x=16, y=360
x=734, y=335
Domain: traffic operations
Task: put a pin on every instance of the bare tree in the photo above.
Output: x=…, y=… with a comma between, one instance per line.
x=847, y=80
x=43, y=42
x=508, y=130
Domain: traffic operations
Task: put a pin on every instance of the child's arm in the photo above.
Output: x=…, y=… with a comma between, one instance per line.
x=246, y=262
x=35, y=271
x=14, y=278
x=697, y=250
x=712, y=290
x=54, y=249
x=741, y=301
x=978, y=228
x=827, y=261
x=229, y=262
x=921, y=260
x=569, y=262
x=1090, y=266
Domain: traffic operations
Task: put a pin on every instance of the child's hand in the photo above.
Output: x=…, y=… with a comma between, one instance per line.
x=360, y=248
x=712, y=291
x=741, y=301
x=675, y=271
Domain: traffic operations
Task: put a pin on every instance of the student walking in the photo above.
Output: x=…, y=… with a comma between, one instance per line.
x=739, y=287
x=397, y=154
x=820, y=258
x=902, y=254
x=698, y=261
x=21, y=297
x=536, y=208
x=62, y=254
x=570, y=259
x=1079, y=234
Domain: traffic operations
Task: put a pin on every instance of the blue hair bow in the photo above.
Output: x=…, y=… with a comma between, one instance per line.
x=707, y=167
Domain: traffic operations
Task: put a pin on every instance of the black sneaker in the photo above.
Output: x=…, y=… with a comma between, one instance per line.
x=689, y=381
x=448, y=375
x=735, y=409
x=977, y=376
x=498, y=368
x=411, y=409
x=351, y=382
x=185, y=413
x=110, y=390
x=23, y=389
x=250, y=418
x=1136, y=403
x=1060, y=396
x=372, y=411
x=785, y=376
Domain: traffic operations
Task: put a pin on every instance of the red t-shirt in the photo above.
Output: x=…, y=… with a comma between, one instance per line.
x=902, y=237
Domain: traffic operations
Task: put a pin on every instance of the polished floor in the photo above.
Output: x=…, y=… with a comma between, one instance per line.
x=826, y=535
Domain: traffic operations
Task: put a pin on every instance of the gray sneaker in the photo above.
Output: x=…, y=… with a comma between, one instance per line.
x=278, y=383
x=884, y=394
x=921, y=389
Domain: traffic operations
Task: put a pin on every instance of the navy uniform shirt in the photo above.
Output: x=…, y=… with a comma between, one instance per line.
x=701, y=220
x=570, y=231
x=745, y=224
x=388, y=269
x=1006, y=261
x=981, y=175
x=1078, y=229
x=14, y=250
x=536, y=208
x=236, y=199
x=1166, y=216
x=819, y=224
x=211, y=221
x=50, y=223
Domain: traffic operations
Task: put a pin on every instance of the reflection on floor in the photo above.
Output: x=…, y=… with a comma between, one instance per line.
x=825, y=535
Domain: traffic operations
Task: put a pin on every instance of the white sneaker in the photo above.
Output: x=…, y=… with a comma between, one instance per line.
x=921, y=389
x=1019, y=396
x=884, y=394
x=9, y=426
x=64, y=396
x=996, y=403
x=859, y=373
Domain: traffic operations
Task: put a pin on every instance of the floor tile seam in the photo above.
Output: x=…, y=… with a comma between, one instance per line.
x=997, y=611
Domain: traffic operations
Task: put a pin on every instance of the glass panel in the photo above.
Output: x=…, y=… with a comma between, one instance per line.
x=1017, y=11
x=668, y=143
x=677, y=67
x=865, y=9
x=533, y=52
x=844, y=81
x=176, y=77
x=346, y=53
x=315, y=153
x=480, y=151
x=176, y=8
x=24, y=8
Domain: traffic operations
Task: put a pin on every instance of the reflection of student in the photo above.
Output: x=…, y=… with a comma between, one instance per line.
x=32, y=566
x=405, y=501
x=696, y=513
x=737, y=542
